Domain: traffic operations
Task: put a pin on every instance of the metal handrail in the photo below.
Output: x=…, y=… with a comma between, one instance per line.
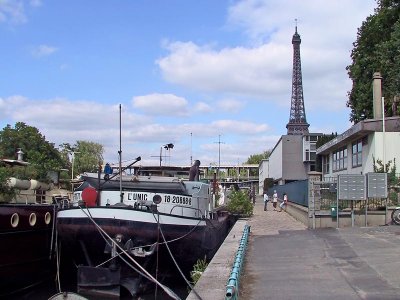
x=232, y=287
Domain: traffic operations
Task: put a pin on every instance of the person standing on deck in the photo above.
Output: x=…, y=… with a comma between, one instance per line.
x=194, y=171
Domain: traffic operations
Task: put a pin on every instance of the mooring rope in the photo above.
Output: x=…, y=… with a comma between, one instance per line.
x=151, y=278
x=176, y=264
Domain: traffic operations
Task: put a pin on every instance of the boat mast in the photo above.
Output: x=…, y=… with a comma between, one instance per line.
x=120, y=158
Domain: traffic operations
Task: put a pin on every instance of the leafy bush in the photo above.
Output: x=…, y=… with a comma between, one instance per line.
x=239, y=203
x=198, y=270
x=6, y=192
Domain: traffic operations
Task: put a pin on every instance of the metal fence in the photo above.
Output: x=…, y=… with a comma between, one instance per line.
x=328, y=191
x=296, y=191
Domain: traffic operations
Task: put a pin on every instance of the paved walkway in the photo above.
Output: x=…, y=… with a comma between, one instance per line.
x=284, y=260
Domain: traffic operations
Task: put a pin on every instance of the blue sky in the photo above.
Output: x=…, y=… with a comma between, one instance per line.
x=186, y=72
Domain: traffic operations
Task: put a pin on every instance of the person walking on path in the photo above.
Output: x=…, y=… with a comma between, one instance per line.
x=284, y=202
x=275, y=199
x=266, y=199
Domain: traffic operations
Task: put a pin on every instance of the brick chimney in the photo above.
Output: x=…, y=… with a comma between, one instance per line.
x=377, y=95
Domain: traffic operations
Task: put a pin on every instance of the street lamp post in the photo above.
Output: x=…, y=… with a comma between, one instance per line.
x=166, y=147
x=219, y=152
x=72, y=162
x=383, y=134
x=72, y=166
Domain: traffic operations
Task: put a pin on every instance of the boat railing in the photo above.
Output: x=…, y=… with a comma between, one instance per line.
x=200, y=215
x=32, y=197
x=62, y=201
x=28, y=198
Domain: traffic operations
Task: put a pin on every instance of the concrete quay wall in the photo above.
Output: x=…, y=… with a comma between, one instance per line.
x=212, y=283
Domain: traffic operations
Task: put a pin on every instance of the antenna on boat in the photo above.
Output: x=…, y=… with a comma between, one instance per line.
x=120, y=158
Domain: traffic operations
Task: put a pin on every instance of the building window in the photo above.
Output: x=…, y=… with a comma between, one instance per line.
x=325, y=164
x=357, y=153
x=313, y=156
x=339, y=160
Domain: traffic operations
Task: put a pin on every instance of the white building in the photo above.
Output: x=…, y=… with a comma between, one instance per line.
x=263, y=172
x=293, y=157
x=354, y=151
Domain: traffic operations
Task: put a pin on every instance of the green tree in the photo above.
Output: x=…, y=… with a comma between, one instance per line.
x=41, y=154
x=87, y=155
x=325, y=138
x=268, y=183
x=375, y=50
x=6, y=192
x=256, y=158
x=389, y=55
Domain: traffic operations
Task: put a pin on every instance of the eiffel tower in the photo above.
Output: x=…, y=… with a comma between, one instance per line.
x=297, y=122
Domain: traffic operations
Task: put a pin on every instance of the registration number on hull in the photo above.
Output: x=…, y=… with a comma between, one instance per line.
x=178, y=200
x=167, y=199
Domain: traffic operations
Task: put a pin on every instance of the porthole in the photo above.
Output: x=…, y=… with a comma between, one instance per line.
x=32, y=219
x=47, y=218
x=14, y=220
x=157, y=199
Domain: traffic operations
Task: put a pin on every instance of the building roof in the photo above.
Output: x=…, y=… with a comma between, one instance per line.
x=359, y=130
x=14, y=162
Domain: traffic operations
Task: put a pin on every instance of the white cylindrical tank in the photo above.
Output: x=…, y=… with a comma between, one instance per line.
x=38, y=185
x=19, y=183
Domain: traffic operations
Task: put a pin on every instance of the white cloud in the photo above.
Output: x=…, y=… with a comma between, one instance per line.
x=3, y=107
x=161, y=104
x=43, y=50
x=202, y=107
x=236, y=152
x=262, y=69
x=230, y=105
x=239, y=127
x=229, y=74
x=62, y=120
x=231, y=70
x=265, y=20
x=12, y=11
